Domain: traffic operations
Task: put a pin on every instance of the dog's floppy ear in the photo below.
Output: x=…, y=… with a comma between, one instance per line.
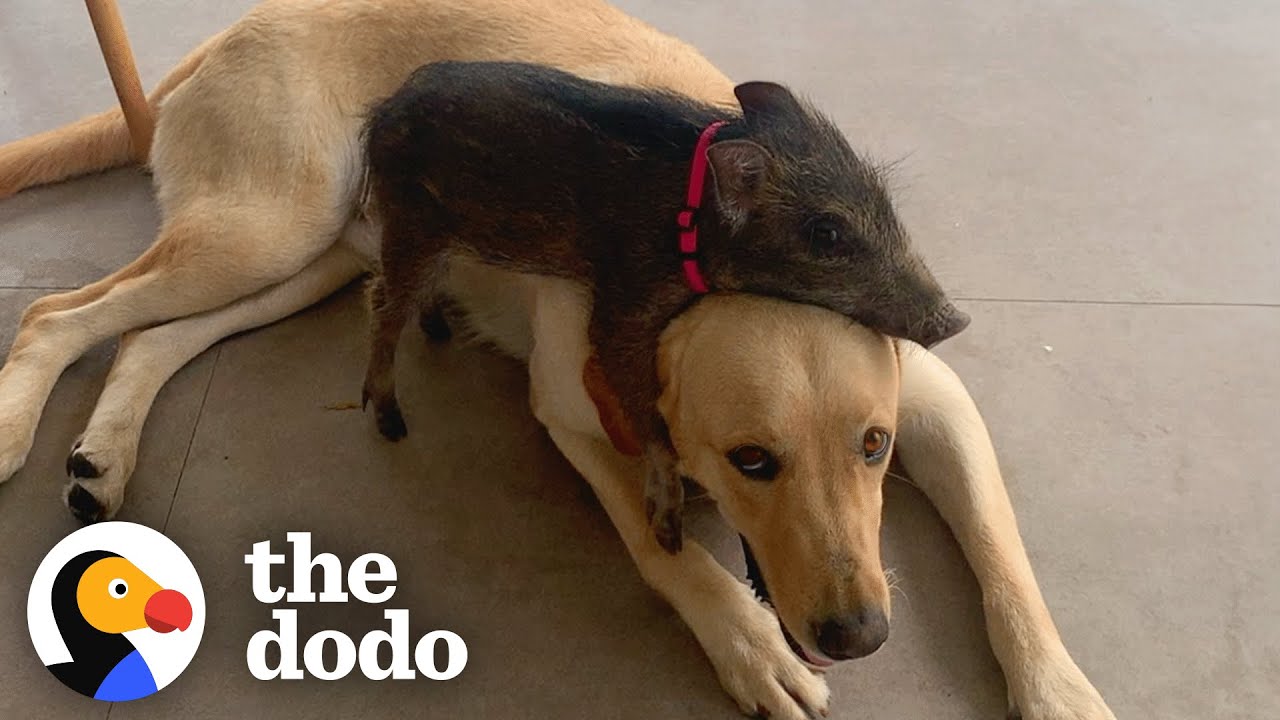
x=672, y=348
x=609, y=409
x=738, y=169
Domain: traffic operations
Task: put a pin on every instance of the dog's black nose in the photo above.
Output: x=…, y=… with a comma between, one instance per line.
x=853, y=636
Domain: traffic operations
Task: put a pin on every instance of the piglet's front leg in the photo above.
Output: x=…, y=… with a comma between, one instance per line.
x=626, y=345
x=664, y=496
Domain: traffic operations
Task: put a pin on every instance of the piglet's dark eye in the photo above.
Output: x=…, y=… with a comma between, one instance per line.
x=824, y=237
x=754, y=462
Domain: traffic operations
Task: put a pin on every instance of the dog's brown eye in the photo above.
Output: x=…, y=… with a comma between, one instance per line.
x=754, y=462
x=875, y=444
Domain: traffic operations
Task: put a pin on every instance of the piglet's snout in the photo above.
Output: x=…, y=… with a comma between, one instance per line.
x=946, y=322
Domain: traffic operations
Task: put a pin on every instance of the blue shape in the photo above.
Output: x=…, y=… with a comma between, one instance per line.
x=130, y=679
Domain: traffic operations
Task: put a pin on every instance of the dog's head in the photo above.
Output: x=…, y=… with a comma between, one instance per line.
x=786, y=414
x=803, y=217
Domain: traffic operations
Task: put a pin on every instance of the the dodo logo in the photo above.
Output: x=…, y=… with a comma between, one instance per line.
x=116, y=611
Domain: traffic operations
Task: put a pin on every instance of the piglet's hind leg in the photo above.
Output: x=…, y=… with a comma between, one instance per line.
x=390, y=311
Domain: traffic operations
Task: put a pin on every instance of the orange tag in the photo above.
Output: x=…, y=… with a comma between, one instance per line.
x=608, y=409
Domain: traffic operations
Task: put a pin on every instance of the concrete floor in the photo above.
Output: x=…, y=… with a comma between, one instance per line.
x=1097, y=181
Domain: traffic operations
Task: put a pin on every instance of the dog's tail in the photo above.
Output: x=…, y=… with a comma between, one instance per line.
x=92, y=144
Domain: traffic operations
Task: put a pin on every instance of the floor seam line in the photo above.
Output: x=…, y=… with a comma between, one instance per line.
x=1128, y=303
x=191, y=441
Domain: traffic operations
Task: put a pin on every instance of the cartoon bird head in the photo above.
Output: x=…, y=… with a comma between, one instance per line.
x=97, y=596
x=114, y=596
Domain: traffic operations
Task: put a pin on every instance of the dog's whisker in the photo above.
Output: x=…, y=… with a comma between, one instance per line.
x=895, y=585
x=902, y=478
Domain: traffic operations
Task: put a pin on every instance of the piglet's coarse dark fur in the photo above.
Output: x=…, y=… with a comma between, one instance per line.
x=537, y=170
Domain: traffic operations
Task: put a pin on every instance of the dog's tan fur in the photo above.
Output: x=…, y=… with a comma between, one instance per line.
x=257, y=166
x=815, y=527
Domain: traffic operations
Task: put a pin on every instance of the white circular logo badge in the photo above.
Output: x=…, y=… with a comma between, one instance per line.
x=116, y=611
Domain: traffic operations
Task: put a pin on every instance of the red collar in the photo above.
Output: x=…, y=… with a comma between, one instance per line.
x=687, y=219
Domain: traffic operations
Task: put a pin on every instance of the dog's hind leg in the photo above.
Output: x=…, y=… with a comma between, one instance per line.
x=944, y=446
x=103, y=458
x=200, y=261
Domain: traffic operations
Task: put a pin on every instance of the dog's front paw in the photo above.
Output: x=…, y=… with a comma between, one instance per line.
x=1057, y=691
x=96, y=481
x=762, y=674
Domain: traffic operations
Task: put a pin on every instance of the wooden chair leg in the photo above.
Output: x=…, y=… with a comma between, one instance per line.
x=114, y=43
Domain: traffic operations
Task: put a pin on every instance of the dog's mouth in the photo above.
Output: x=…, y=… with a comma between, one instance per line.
x=758, y=586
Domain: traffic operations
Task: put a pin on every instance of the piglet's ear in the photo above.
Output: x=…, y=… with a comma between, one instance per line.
x=765, y=98
x=738, y=169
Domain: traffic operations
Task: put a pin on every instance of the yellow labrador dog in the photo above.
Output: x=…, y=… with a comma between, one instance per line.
x=258, y=172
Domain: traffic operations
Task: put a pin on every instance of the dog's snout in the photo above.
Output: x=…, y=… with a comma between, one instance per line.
x=852, y=636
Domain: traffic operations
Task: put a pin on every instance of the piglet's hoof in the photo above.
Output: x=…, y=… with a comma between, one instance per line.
x=387, y=415
x=667, y=527
x=435, y=326
x=391, y=423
